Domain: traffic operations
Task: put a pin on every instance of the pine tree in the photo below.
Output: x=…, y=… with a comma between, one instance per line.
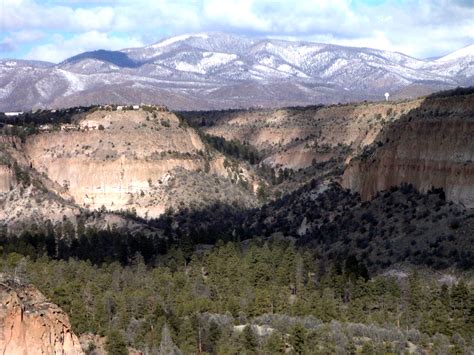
x=249, y=340
x=328, y=308
x=115, y=343
x=275, y=343
x=187, y=337
x=415, y=301
x=439, y=320
x=298, y=338
x=167, y=347
x=461, y=303
x=213, y=336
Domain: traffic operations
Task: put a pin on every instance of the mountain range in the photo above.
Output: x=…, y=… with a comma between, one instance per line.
x=217, y=71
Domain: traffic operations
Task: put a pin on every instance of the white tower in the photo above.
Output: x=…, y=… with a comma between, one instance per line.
x=386, y=96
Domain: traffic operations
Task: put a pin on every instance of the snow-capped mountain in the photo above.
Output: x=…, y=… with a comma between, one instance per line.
x=215, y=70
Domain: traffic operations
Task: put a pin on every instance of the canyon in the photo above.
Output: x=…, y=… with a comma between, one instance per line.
x=389, y=183
x=145, y=161
x=149, y=160
x=426, y=142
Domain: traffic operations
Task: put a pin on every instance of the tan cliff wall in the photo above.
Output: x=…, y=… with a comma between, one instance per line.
x=26, y=197
x=30, y=324
x=7, y=175
x=111, y=183
x=7, y=178
x=126, y=160
x=431, y=147
x=126, y=164
x=295, y=138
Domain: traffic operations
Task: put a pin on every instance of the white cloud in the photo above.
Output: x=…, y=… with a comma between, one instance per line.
x=15, y=39
x=62, y=48
x=26, y=36
x=235, y=13
x=418, y=28
x=28, y=14
x=100, y=19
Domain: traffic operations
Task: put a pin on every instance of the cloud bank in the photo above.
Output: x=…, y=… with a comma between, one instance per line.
x=55, y=30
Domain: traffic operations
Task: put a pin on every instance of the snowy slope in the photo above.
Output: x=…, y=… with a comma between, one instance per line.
x=216, y=70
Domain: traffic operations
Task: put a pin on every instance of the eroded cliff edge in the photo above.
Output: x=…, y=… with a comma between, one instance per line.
x=431, y=146
x=144, y=161
x=30, y=324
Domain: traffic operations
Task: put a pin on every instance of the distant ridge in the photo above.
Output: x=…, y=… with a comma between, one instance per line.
x=114, y=57
x=219, y=71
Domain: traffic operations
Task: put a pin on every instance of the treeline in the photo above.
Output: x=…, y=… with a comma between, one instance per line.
x=95, y=246
x=40, y=117
x=233, y=148
x=398, y=226
x=459, y=91
x=28, y=123
x=310, y=306
x=275, y=176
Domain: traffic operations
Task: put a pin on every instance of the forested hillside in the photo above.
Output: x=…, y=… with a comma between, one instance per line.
x=257, y=297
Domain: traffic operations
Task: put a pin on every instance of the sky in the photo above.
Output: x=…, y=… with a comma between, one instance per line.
x=53, y=30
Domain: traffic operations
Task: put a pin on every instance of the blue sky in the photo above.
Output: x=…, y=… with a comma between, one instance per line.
x=53, y=30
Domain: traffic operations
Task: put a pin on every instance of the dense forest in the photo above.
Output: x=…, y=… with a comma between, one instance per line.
x=260, y=296
x=225, y=280
x=400, y=226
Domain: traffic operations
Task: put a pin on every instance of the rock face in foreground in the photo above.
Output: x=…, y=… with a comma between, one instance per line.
x=30, y=324
x=432, y=146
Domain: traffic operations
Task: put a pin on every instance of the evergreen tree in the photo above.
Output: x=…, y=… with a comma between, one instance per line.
x=115, y=343
x=249, y=340
x=274, y=343
x=298, y=338
x=167, y=346
x=213, y=336
x=187, y=337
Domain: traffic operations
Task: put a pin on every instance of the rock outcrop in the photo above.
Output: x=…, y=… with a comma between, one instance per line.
x=431, y=146
x=299, y=137
x=7, y=175
x=7, y=178
x=112, y=157
x=30, y=324
x=149, y=160
x=121, y=160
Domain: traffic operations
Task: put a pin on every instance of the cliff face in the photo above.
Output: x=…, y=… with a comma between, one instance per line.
x=30, y=324
x=129, y=160
x=432, y=146
x=7, y=178
x=111, y=156
x=148, y=161
x=298, y=137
